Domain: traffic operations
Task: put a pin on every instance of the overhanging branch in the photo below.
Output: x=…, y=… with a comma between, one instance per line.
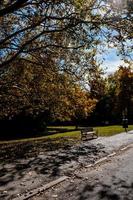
x=13, y=7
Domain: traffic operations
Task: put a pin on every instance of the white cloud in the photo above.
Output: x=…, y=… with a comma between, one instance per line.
x=112, y=66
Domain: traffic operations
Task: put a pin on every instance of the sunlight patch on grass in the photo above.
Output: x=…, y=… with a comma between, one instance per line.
x=62, y=127
x=111, y=130
x=72, y=134
x=75, y=134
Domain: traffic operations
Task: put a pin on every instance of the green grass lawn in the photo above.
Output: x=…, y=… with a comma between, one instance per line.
x=101, y=130
x=62, y=127
x=70, y=132
x=111, y=130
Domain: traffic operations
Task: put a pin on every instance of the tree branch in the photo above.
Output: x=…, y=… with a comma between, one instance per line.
x=13, y=7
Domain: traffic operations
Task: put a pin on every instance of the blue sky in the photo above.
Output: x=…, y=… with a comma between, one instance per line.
x=111, y=60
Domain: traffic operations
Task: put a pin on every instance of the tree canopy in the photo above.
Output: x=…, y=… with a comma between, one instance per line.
x=30, y=26
x=49, y=49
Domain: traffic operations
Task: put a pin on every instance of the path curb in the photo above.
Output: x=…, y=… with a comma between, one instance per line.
x=63, y=178
x=40, y=189
x=101, y=160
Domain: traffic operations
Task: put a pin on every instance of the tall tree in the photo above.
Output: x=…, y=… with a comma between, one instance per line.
x=96, y=80
x=32, y=90
x=124, y=90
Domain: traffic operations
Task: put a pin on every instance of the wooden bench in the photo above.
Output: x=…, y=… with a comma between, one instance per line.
x=88, y=133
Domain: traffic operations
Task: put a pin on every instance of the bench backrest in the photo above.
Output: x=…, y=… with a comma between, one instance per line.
x=86, y=129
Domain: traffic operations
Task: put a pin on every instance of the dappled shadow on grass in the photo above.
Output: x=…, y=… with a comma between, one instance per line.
x=48, y=159
x=12, y=135
x=22, y=134
x=54, y=130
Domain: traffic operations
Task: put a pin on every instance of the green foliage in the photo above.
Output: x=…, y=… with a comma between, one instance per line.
x=79, y=3
x=121, y=85
x=96, y=81
x=116, y=98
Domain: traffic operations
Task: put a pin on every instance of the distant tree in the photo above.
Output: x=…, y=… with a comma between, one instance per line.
x=81, y=104
x=96, y=81
x=124, y=91
x=99, y=90
x=117, y=100
x=37, y=91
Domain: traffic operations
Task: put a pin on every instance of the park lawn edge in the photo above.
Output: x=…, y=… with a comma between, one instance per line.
x=103, y=131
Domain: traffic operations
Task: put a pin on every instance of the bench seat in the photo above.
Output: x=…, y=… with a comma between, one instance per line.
x=88, y=134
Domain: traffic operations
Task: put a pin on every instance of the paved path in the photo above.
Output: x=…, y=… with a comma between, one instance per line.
x=112, y=180
x=26, y=173
x=115, y=142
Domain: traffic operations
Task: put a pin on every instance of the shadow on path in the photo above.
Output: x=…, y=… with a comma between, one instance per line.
x=116, y=190
x=27, y=166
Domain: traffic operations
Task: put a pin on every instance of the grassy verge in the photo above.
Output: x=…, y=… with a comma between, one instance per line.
x=62, y=127
x=111, y=130
x=70, y=132
x=75, y=134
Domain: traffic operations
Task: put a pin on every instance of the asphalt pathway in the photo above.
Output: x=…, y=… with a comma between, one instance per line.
x=112, y=180
x=115, y=142
x=17, y=176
